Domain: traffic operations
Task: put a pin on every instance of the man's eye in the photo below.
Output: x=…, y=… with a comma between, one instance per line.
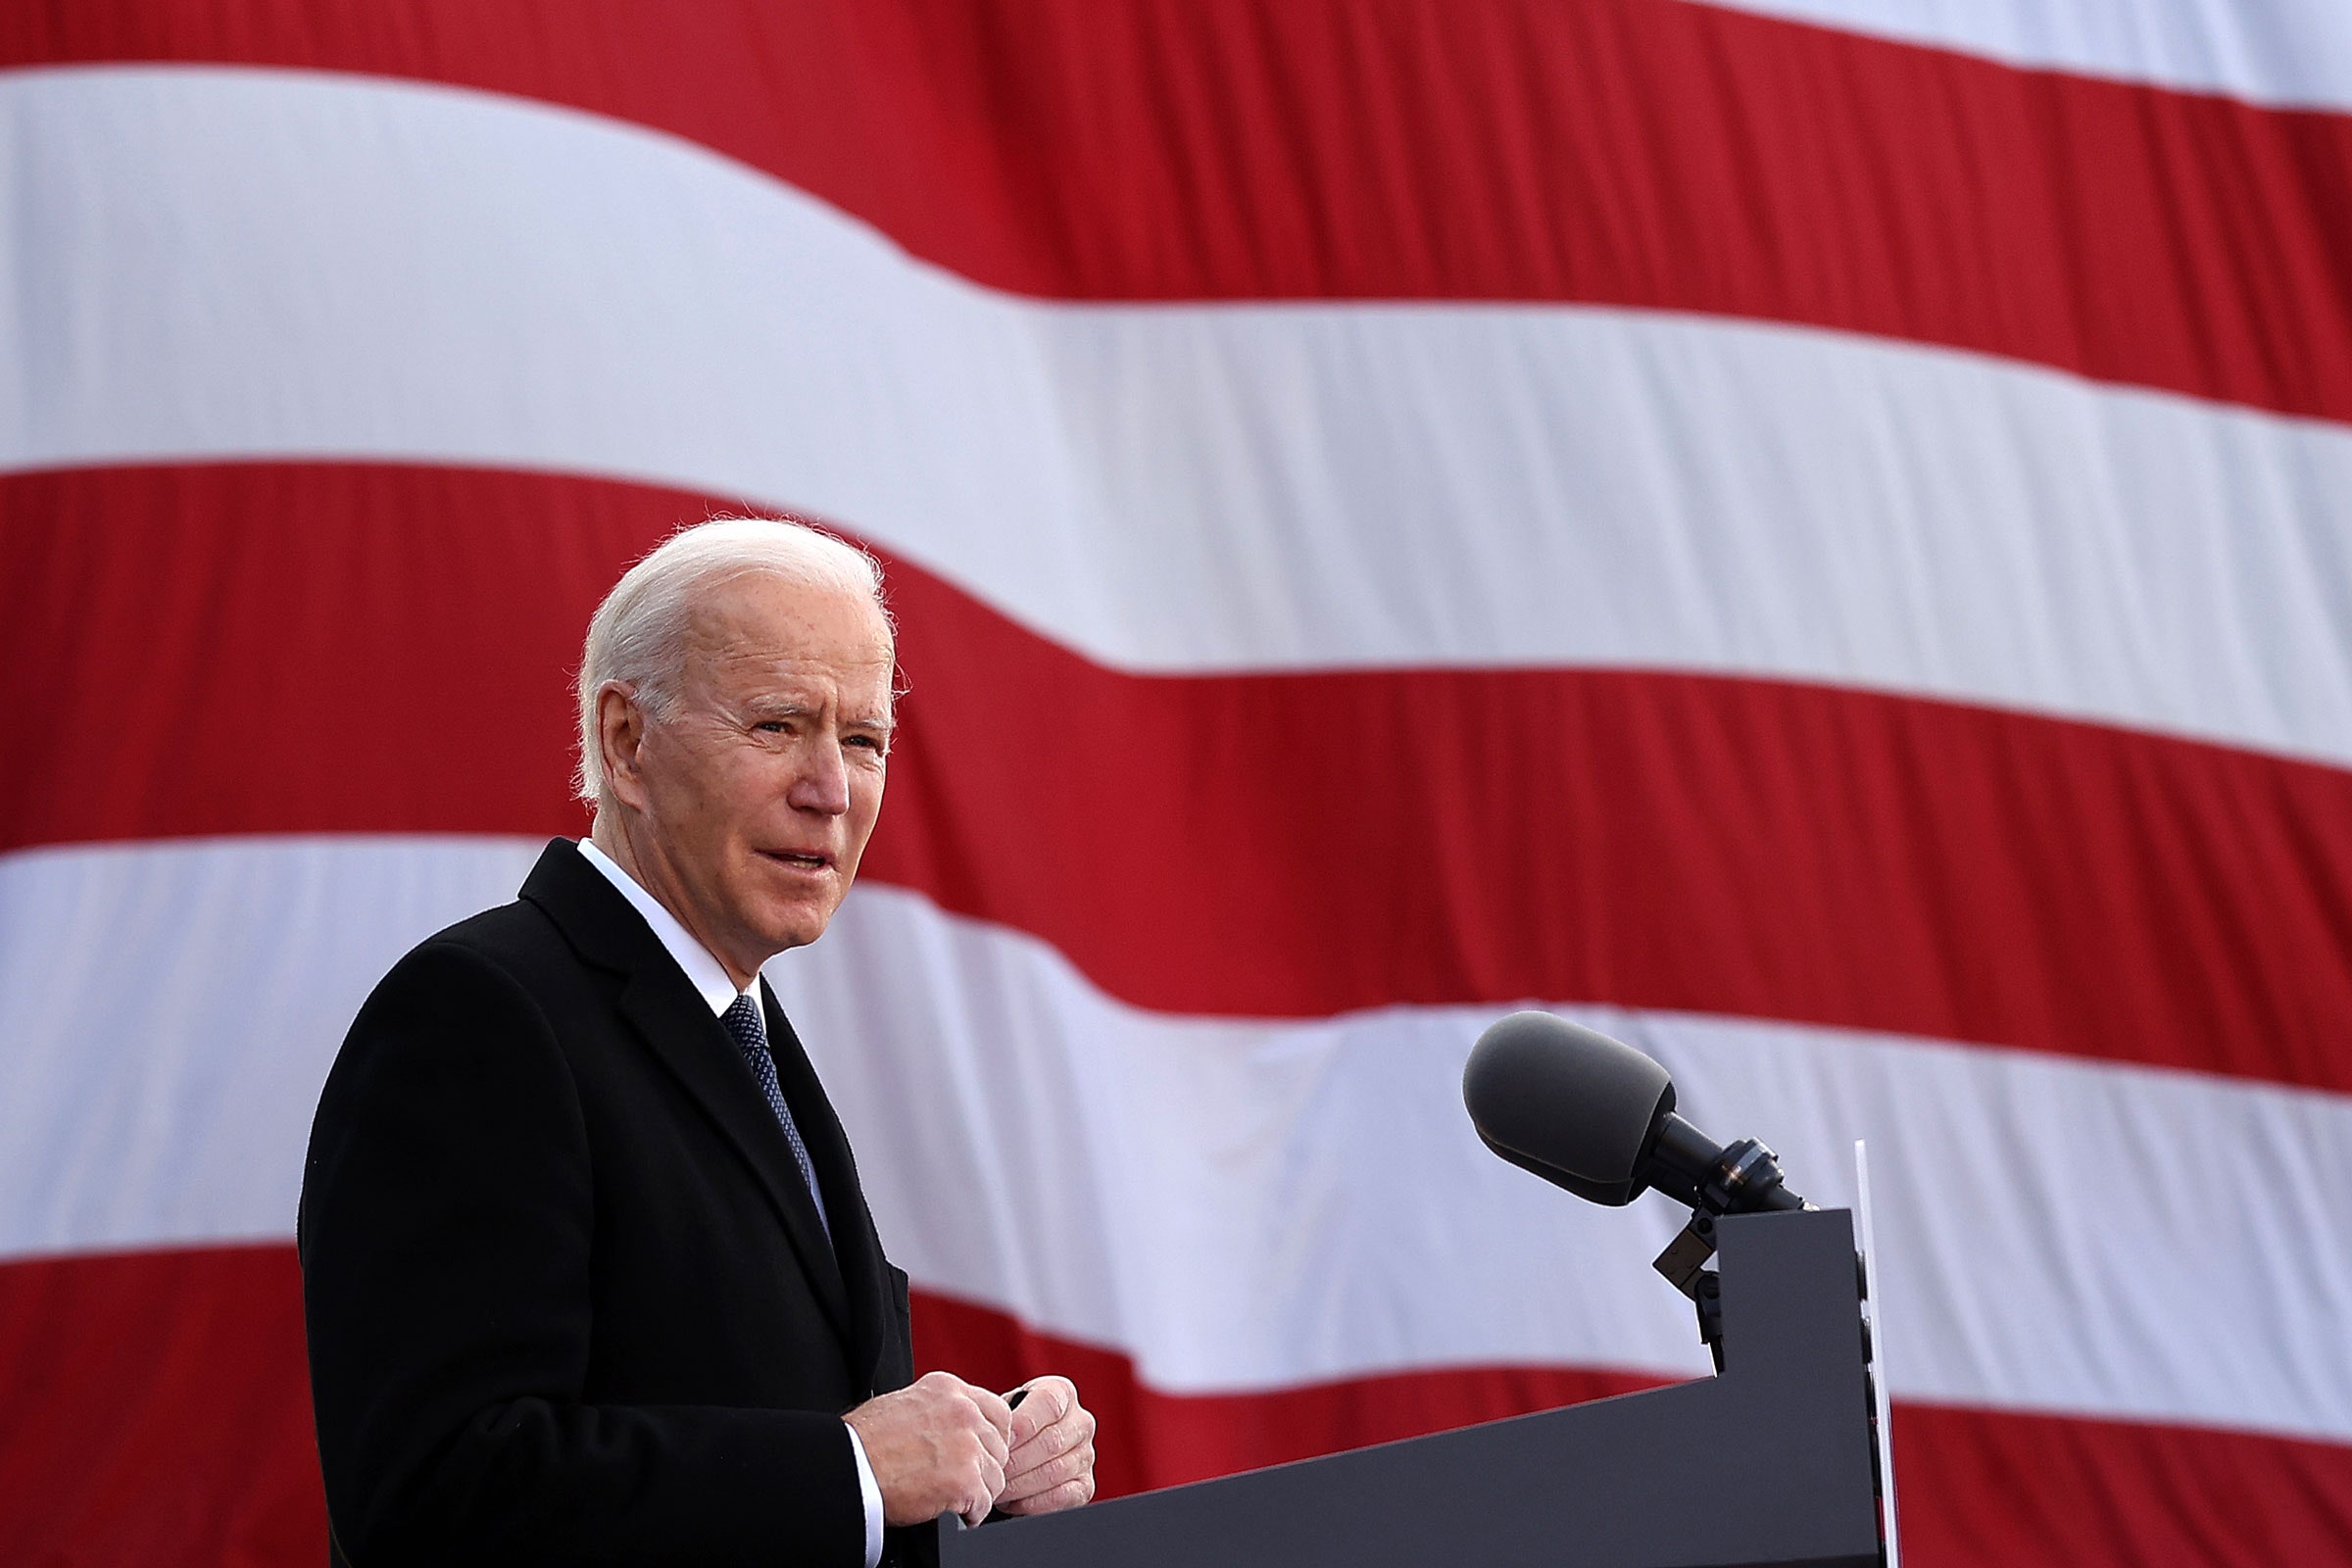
x=769, y=726
x=869, y=742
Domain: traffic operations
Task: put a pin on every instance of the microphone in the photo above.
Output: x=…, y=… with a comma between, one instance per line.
x=1595, y=1117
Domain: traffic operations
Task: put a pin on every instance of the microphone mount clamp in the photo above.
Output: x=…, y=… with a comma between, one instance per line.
x=1741, y=1178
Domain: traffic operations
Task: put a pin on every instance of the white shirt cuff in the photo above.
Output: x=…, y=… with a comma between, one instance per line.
x=871, y=1491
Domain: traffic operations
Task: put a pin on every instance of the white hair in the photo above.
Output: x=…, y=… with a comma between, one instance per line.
x=637, y=636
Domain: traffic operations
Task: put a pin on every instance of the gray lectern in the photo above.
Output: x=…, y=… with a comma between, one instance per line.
x=1770, y=1461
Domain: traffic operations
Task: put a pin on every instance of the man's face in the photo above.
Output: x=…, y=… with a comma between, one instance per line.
x=759, y=788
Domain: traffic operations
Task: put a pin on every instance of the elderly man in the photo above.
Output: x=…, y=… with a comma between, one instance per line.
x=588, y=1276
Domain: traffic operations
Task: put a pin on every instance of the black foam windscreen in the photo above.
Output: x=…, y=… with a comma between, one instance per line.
x=1567, y=1102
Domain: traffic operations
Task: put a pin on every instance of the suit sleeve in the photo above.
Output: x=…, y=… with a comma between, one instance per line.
x=447, y=1210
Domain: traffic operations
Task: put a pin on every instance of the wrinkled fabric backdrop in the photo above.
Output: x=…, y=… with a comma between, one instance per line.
x=1816, y=536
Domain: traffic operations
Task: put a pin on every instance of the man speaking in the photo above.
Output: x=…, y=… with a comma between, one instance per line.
x=587, y=1272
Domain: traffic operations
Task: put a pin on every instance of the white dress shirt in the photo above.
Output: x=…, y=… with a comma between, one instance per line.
x=710, y=978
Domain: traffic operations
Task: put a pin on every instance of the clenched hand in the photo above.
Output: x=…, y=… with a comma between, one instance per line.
x=1052, y=1465
x=939, y=1445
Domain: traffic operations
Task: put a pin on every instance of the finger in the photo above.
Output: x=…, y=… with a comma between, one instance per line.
x=1075, y=1427
x=1054, y=1442
x=1069, y=1495
x=992, y=1477
x=980, y=1493
x=1049, y=1401
x=986, y=1486
x=993, y=1443
x=1052, y=1403
x=1062, y=1469
x=1029, y=1415
x=984, y=1412
x=993, y=1410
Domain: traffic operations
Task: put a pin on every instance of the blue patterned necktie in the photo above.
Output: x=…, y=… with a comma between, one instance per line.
x=750, y=1030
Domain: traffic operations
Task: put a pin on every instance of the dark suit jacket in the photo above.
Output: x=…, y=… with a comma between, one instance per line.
x=568, y=1299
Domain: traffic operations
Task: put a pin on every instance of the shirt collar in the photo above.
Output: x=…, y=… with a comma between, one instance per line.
x=707, y=976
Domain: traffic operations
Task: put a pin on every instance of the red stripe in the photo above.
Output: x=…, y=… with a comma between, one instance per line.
x=156, y=1413
x=304, y=649
x=1624, y=152
x=158, y=1416
x=1978, y=1486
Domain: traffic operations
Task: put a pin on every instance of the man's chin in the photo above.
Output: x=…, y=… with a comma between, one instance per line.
x=798, y=923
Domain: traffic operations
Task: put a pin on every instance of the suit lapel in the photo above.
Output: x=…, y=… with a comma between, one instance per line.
x=854, y=1244
x=696, y=1047
x=679, y=1028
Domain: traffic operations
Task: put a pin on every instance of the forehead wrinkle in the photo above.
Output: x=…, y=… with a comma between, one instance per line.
x=803, y=687
x=787, y=704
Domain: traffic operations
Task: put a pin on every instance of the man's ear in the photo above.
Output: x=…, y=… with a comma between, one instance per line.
x=619, y=733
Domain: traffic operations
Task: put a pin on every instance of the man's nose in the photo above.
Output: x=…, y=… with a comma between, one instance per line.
x=822, y=782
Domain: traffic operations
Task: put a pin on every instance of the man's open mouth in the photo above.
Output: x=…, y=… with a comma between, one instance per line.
x=808, y=862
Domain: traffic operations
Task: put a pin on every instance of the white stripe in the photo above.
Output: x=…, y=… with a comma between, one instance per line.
x=168, y=1012
x=242, y=264
x=2267, y=51
x=1237, y=1205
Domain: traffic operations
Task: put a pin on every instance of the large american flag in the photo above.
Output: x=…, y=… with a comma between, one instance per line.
x=1815, y=535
